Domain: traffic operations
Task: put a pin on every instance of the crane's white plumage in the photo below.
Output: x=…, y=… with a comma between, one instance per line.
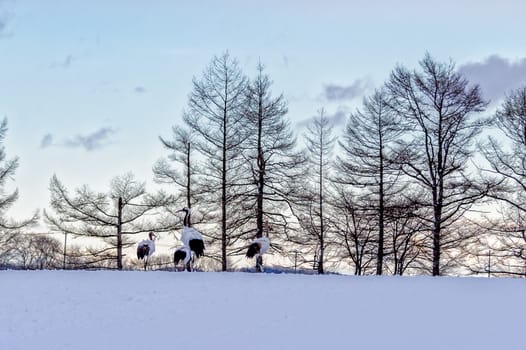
x=258, y=247
x=190, y=233
x=264, y=244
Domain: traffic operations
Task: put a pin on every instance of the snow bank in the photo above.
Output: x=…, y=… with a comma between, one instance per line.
x=77, y=310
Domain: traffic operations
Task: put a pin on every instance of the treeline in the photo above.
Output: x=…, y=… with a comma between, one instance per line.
x=400, y=190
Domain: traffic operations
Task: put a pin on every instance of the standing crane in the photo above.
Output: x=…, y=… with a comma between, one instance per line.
x=191, y=238
x=146, y=248
x=256, y=249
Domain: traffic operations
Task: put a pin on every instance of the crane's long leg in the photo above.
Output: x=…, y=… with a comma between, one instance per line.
x=190, y=263
x=259, y=263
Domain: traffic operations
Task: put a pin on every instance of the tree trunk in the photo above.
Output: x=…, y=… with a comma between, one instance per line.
x=261, y=174
x=322, y=224
x=261, y=186
x=188, y=185
x=119, y=234
x=223, y=195
x=436, y=241
x=380, y=253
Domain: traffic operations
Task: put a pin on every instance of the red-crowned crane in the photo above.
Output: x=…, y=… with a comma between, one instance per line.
x=257, y=248
x=184, y=254
x=146, y=248
x=190, y=237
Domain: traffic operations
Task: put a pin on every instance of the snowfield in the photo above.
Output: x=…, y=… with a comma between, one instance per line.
x=116, y=310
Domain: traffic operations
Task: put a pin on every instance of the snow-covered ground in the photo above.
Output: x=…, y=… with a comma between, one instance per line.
x=77, y=310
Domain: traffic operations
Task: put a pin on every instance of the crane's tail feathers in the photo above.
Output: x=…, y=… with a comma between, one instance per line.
x=198, y=247
x=253, y=249
x=178, y=256
x=142, y=251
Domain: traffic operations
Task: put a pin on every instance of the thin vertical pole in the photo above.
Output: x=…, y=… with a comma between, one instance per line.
x=295, y=261
x=65, y=249
x=489, y=263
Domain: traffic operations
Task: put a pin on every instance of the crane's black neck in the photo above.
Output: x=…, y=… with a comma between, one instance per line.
x=186, y=221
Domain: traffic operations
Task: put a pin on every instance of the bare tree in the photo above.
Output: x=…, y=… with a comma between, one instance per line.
x=84, y=256
x=355, y=232
x=313, y=199
x=365, y=160
x=112, y=217
x=406, y=237
x=37, y=251
x=181, y=147
x=440, y=104
x=504, y=254
x=506, y=163
x=271, y=158
x=8, y=245
x=215, y=116
x=9, y=228
x=186, y=181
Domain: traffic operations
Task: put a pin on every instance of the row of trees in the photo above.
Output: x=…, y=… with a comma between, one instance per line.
x=392, y=194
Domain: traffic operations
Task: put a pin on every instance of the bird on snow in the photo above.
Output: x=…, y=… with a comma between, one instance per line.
x=257, y=248
x=184, y=254
x=190, y=237
x=146, y=248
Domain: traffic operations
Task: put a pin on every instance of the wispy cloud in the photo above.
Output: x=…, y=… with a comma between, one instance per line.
x=333, y=92
x=46, y=141
x=285, y=59
x=496, y=75
x=3, y=24
x=64, y=63
x=89, y=142
x=5, y=17
x=338, y=118
x=139, y=89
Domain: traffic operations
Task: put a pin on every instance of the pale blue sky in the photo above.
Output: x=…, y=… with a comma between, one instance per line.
x=88, y=86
